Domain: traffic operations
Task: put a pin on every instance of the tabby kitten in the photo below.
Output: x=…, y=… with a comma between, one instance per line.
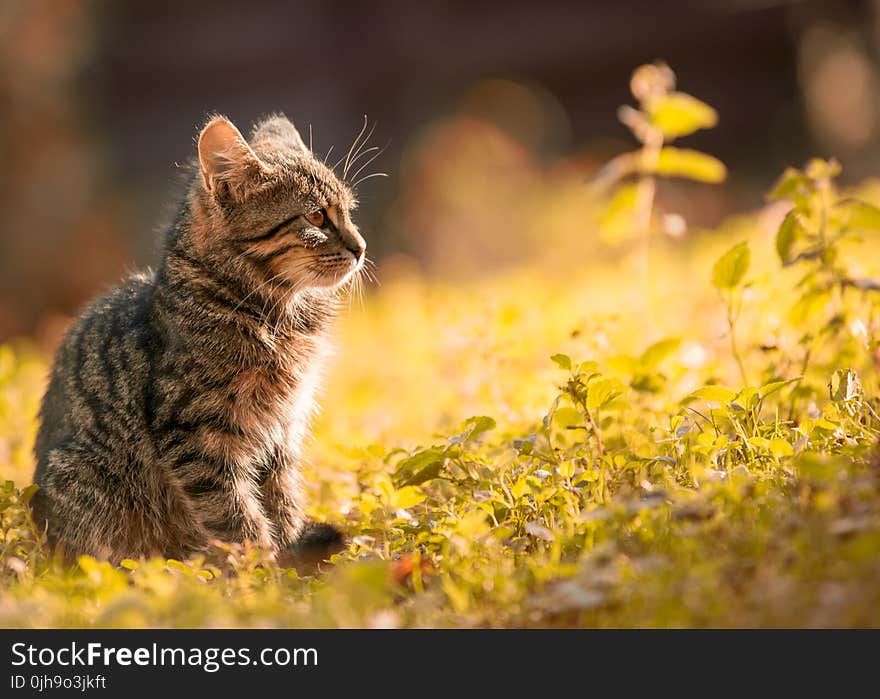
x=178, y=403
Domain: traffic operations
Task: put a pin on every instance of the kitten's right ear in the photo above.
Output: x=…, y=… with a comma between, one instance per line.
x=228, y=164
x=279, y=128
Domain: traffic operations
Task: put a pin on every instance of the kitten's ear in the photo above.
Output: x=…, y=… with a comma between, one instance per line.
x=228, y=164
x=280, y=129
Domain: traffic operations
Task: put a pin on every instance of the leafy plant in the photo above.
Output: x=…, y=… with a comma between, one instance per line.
x=635, y=488
x=728, y=273
x=812, y=239
x=663, y=116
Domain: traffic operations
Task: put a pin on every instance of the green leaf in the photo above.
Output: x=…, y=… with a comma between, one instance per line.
x=588, y=368
x=792, y=184
x=862, y=216
x=180, y=566
x=760, y=443
x=602, y=391
x=747, y=398
x=567, y=417
x=28, y=493
x=659, y=351
x=780, y=448
x=809, y=305
x=770, y=388
x=472, y=428
x=690, y=164
x=407, y=496
x=678, y=114
x=790, y=231
x=719, y=394
x=818, y=169
x=420, y=467
x=563, y=361
x=731, y=267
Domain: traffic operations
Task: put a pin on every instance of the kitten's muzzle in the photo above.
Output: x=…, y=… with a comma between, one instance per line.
x=357, y=250
x=354, y=243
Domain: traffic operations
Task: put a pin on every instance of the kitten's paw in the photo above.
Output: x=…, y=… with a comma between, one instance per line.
x=317, y=542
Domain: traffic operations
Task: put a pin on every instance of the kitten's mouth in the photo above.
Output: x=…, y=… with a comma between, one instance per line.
x=336, y=272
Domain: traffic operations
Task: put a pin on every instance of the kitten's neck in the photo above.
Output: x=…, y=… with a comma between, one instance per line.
x=203, y=302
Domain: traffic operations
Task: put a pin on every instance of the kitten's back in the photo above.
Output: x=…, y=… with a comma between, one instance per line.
x=94, y=364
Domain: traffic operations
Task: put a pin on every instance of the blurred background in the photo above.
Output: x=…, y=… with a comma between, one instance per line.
x=493, y=116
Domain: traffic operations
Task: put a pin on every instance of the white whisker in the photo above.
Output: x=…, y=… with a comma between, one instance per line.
x=371, y=159
x=361, y=154
x=367, y=177
x=358, y=151
x=353, y=144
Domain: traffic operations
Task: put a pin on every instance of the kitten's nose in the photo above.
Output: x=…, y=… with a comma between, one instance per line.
x=357, y=250
x=355, y=244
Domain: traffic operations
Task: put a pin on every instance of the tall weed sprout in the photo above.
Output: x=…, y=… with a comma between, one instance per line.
x=663, y=116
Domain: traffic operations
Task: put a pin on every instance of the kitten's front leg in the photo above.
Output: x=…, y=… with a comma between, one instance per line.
x=226, y=501
x=281, y=491
x=302, y=544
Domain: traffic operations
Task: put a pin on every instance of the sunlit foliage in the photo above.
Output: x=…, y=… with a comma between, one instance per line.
x=557, y=444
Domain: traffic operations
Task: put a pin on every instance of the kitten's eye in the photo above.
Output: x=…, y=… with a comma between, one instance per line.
x=316, y=218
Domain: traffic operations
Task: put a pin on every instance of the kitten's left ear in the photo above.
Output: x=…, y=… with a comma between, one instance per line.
x=229, y=166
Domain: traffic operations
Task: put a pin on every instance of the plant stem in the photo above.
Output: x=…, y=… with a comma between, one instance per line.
x=645, y=194
x=803, y=372
x=731, y=324
x=594, y=428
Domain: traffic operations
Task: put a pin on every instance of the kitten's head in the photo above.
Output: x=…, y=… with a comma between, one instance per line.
x=268, y=208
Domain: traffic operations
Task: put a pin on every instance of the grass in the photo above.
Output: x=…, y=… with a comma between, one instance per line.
x=627, y=429
x=632, y=480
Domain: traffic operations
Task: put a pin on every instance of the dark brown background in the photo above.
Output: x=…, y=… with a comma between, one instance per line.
x=98, y=101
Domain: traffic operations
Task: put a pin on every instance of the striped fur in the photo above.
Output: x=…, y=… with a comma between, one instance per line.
x=178, y=402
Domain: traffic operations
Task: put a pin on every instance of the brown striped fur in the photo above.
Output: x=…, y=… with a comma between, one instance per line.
x=178, y=403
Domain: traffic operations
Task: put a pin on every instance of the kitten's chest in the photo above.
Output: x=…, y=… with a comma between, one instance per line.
x=243, y=404
x=260, y=397
x=258, y=387
x=269, y=405
x=257, y=415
